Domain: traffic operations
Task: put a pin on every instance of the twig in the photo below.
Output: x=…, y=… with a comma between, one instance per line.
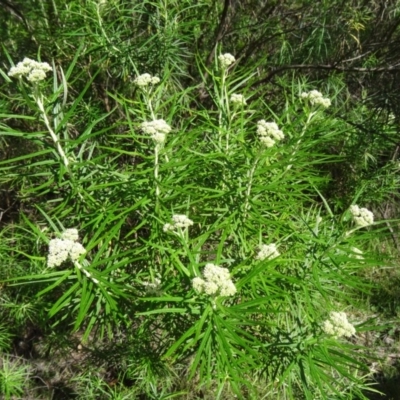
x=277, y=69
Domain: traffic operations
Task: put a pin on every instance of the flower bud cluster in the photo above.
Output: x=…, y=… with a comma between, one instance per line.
x=66, y=246
x=316, y=98
x=226, y=60
x=153, y=287
x=267, y=251
x=338, y=326
x=146, y=80
x=269, y=133
x=217, y=282
x=158, y=129
x=238, y=99
x=178, y=221
x=70, y=234
x=362, y=216
x=33, y=70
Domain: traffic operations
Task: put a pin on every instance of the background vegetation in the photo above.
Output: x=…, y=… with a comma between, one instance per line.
x=142, y=331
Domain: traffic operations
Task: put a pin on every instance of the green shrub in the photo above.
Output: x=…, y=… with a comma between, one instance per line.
x=190, y=242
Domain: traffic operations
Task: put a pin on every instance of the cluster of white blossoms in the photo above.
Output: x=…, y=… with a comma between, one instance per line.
x=269, y=133
x=158, y=129
x=338, y=326
x=267, y=251
x=34, y=71
x=316, y=98
x=226, y=60
x=153, y=287
x=362, y=216
x=66, y=246
x=146, y=80
x=238, y=99
x=178, y=221
x=217, y=282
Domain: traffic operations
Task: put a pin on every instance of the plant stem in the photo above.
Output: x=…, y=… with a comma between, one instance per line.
x=303, y=131
x=250, y=176
x=39, y=102
x=221, y=106
x=156, y=166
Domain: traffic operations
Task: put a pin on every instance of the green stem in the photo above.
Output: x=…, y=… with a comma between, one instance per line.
x=150, y=106
x=221, y=107
x=296, y=147
x=39, y=102
x=156, y=168
x=147, y=100
x=87, y=273
x=250, y=176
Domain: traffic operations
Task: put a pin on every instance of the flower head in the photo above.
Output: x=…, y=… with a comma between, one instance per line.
x=34, y=71
x=267, y=251
x=70, y=234
x=217, y=282
x=178, y=221
x=226, y=60
x=36, y=75
x=181, y=221
x=146, y=80
x=58, y=252
x=338, y=326
x=198, y=284
x=76, y=250
x=66, y=246
x=157, y=129
x=153, y=287
x=269, y=133
x=159, y=137
x=361, y=216
x=238, y=99
x=316, y=98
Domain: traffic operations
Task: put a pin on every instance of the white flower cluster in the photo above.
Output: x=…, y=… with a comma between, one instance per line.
x=158, y=129
x=226, y=60
x=178, y=221
x=238, y=99
x=153, y=287
x=146, y=80
x=316, y=98
x=70, y=234
x=269, y=133
x=338, y=326
x=267, y=251
x=217, y=282
x=66, y=246
x=362, y=216
x=33, y=70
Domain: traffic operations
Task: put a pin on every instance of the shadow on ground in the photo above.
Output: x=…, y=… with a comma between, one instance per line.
x=389, y=386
